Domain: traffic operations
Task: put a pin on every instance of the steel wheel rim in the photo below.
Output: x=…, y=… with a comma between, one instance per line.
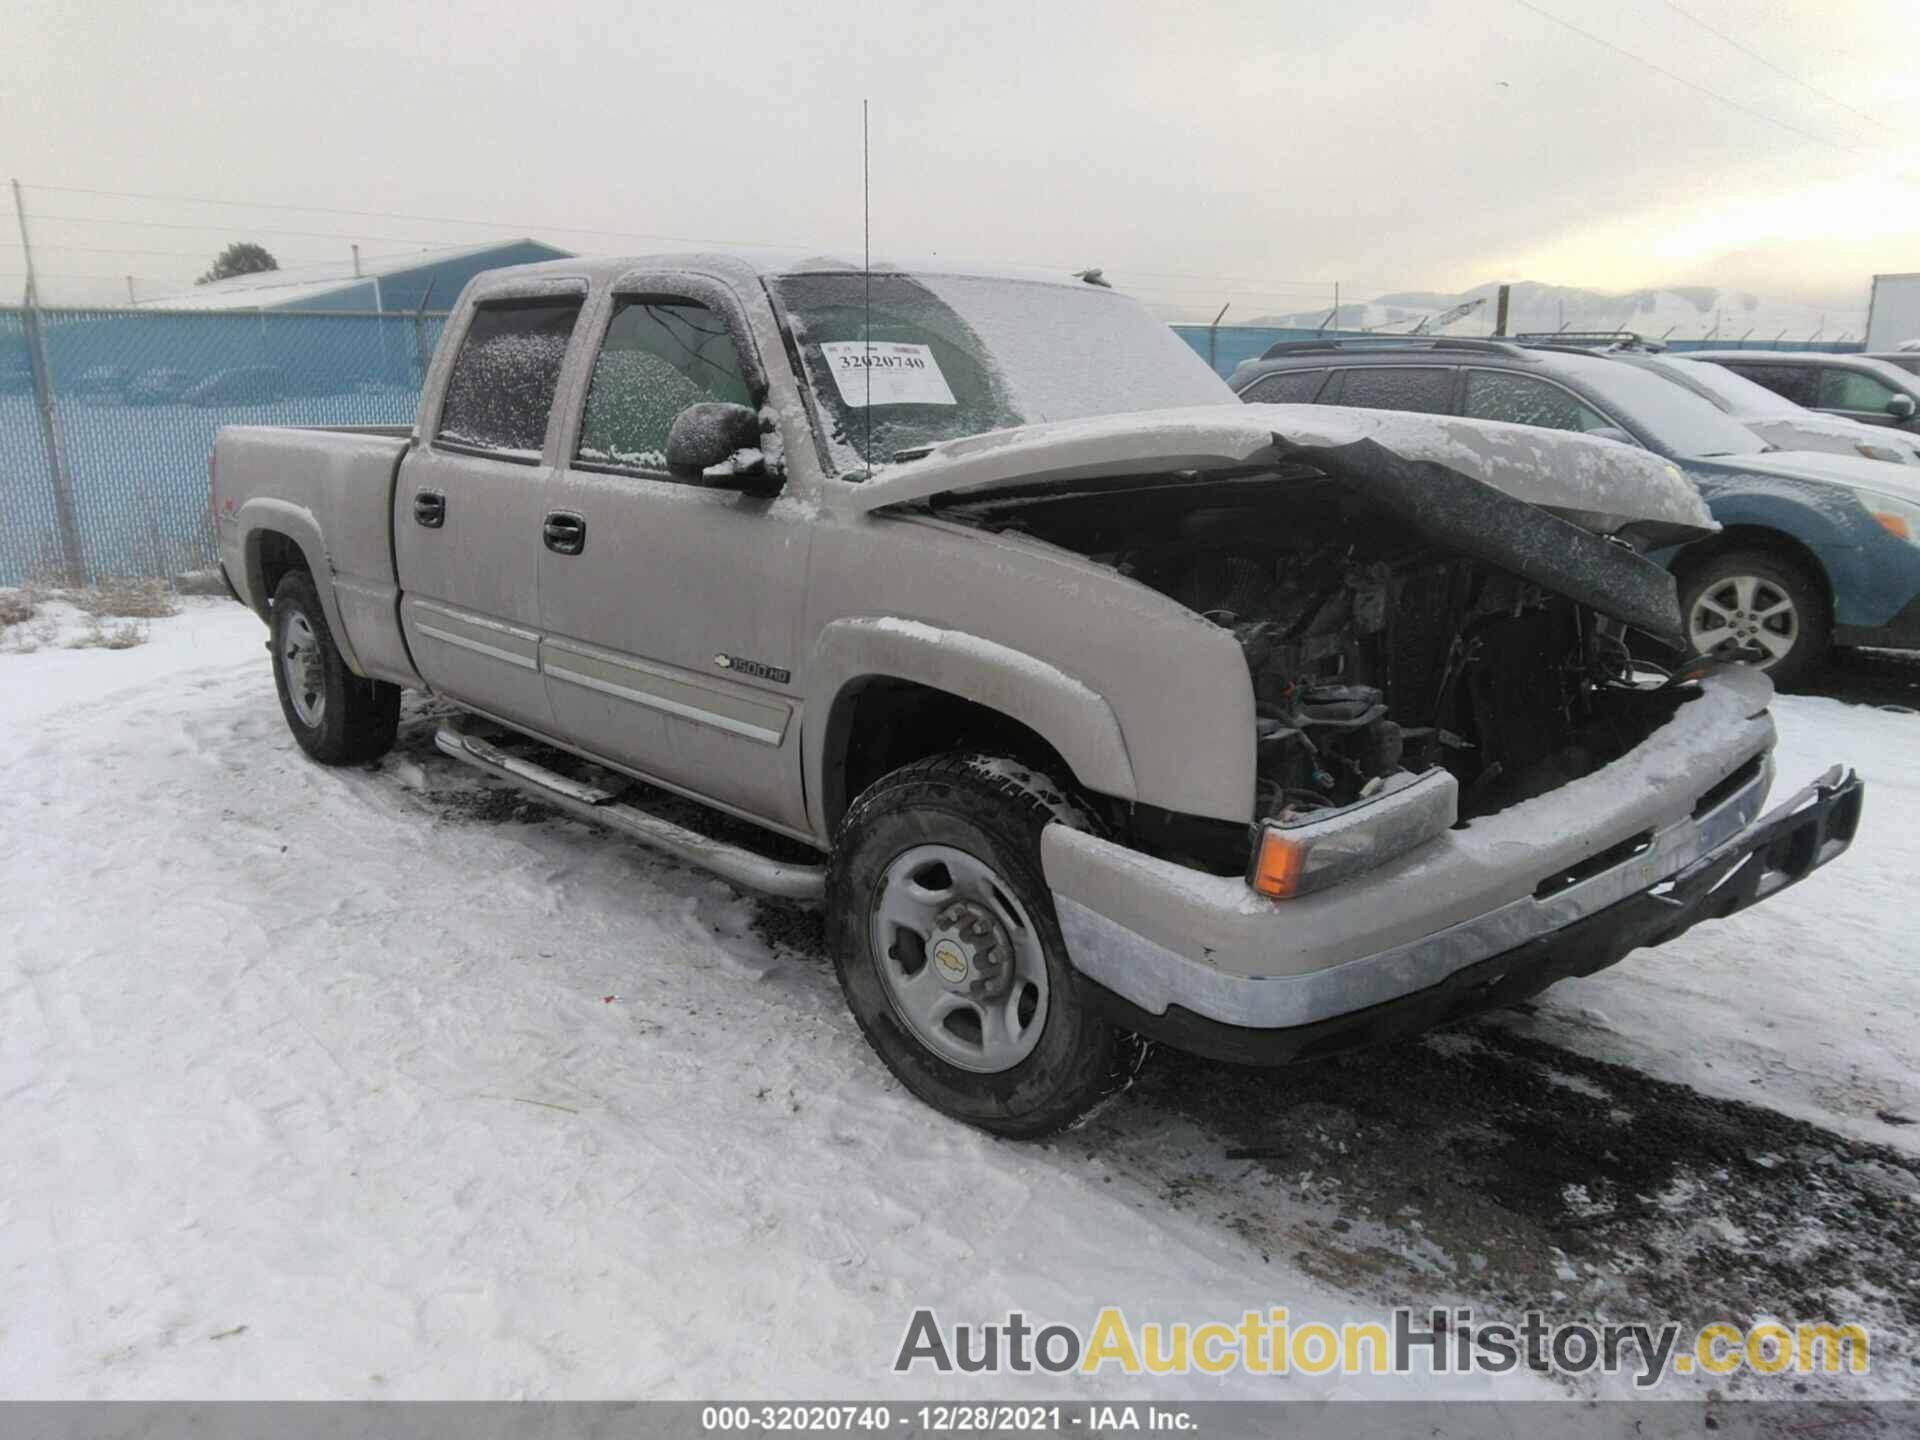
x=300, y=666
x=1744, y=616
x=973, y=1010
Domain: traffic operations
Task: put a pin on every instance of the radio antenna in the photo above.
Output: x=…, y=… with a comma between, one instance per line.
x=866, y=270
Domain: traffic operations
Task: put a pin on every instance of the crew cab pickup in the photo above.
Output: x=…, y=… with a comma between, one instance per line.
x=1094, y=705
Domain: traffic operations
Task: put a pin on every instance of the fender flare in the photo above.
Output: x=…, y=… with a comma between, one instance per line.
x=1071, y=717
x=262, y=514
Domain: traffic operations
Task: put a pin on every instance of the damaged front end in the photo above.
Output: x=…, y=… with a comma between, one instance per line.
x=1424, y=648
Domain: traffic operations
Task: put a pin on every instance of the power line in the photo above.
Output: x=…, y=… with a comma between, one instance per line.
x=1756, y=56
x=529, y=228
x=1678, y=79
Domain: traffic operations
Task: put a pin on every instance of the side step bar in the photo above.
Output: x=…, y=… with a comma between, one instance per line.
x=587, y=802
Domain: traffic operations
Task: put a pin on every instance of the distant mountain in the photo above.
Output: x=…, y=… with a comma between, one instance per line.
x=1690, y=312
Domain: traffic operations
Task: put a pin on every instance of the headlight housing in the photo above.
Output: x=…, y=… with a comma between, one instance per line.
x=1897, y=517
x=1328, y=846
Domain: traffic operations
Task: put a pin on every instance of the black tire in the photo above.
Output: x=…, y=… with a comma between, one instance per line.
x=356, y=719
x=1813, y=619
x=993, y=811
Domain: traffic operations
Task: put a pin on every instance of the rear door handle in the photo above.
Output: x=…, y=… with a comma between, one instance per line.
x=565, y=533
x=430, y=509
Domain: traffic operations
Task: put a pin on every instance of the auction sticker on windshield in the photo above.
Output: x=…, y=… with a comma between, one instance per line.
x=901, y=374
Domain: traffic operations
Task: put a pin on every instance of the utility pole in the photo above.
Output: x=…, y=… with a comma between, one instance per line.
x=70, y=553
x=130, y=299
x=1500, y=311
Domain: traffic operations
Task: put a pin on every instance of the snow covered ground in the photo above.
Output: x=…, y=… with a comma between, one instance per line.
x=379, y=1083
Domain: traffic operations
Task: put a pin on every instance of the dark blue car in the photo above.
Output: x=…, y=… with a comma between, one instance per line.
x=1815, y=549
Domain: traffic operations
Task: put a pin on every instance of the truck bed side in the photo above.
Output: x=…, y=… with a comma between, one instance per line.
x=323, y=498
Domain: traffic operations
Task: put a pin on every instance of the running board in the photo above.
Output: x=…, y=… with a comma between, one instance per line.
x=587, y=802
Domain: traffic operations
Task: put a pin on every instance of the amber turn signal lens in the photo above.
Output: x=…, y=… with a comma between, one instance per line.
x=1281, y=862
x=1896, y=523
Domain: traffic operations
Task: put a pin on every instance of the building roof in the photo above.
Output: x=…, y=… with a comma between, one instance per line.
x=293, y=285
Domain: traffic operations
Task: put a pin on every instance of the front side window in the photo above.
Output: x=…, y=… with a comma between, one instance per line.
x=500, y=390
x=659, y=357
x=1427, y=389
x=1284, y=387
x=1851, y=390
x=1523, y=400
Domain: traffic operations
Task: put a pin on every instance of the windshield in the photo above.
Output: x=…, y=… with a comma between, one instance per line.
x=1670, y=418
x=942, y=356
x=1735, y=394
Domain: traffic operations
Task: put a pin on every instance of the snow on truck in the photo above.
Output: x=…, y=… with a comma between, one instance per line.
x=1094, y=705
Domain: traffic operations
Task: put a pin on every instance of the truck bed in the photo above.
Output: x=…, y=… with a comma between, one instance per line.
x=330, y=489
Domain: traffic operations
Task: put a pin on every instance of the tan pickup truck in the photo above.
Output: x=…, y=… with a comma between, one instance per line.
x=1093, y=704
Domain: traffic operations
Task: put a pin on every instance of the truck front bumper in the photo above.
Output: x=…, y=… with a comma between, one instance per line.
x=1564, y=884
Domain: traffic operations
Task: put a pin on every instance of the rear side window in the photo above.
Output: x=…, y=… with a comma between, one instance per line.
x=1427, y=389
x=1852, y=390
x=1795, y=382
x=659, y=357
x=1285, y=387
x=1523, y=400
x=500, y=390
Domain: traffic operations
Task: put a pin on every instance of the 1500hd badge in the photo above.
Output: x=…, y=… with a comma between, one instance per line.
x=755, y=668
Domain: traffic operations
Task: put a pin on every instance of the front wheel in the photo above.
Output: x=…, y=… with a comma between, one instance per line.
x=1751, y=605
x=949, y=953
x=338, y=717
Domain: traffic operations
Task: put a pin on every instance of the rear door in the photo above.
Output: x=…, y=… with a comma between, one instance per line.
x=1798, y=383
x=672, y=613
x=1422, y=389
x=469, y=507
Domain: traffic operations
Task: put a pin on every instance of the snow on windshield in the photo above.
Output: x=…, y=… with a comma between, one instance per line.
x=1676, y=421
x=1738, y=394
x=954, y=355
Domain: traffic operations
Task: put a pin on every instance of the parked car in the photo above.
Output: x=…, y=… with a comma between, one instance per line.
x=242, y=385
x=1814, y=549
x=1855, y=387
x=159, y=386
x=99, y=381
x=1771, y=416
x=1091, y=702
x=1907, y=359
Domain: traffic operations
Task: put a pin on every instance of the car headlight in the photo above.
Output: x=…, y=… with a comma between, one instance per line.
x=1329, y=846
x=1899, y=517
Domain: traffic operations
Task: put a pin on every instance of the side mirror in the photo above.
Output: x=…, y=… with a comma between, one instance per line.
x=1901, y=407
x=718, y=444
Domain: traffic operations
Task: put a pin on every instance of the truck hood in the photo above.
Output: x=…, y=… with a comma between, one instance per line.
x=1853, y=472
x=1598, y=484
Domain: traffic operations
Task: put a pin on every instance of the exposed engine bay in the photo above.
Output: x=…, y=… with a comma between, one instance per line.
x=1372, y=648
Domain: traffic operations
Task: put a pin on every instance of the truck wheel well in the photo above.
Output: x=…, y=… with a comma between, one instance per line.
x=879, y=724
x=274, y=555
x=1759, y=537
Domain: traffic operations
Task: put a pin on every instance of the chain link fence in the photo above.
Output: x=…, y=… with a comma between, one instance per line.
x=107, y=417
x=116, y=485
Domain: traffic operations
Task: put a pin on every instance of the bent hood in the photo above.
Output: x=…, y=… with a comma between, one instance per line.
x=1600, y=485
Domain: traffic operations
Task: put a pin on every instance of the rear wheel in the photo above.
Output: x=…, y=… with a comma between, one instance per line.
x=338, y=717
x=949, y=953
x=1756, y=606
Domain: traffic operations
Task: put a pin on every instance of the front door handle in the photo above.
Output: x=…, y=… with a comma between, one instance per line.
x=430, y=509
x=564, y=532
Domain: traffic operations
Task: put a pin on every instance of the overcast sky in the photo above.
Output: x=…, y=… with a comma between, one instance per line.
x=1201, y=153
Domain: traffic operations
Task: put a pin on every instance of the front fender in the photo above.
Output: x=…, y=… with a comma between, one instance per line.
x=1870, y=573
x=1067, y=714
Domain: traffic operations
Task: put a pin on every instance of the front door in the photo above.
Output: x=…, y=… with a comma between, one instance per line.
x=1857, y=395
x=672, y=612
x=468, y=512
